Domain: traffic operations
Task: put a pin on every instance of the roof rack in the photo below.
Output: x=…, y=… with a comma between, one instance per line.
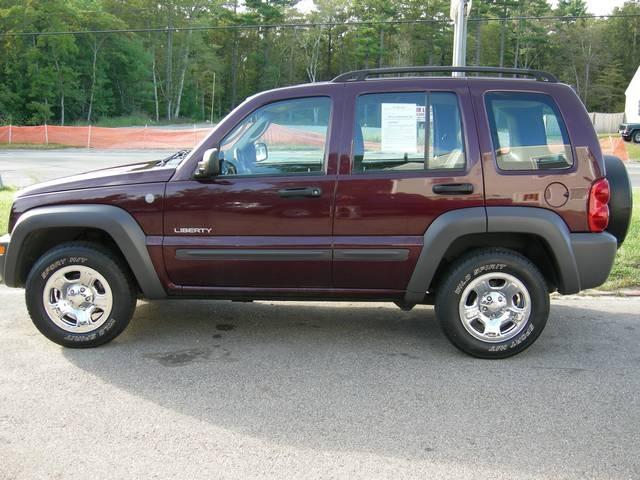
x=359, y=75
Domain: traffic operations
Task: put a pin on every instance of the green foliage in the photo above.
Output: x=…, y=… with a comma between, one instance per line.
x=572, y=8
x=136, y=119
x=167, y=75
x=6, y=199
x=608, y=89
x=626, y=270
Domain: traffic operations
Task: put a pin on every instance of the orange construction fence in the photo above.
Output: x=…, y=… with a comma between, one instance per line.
x=141, y=137
x=100, y=137
x=151, y=138
x=614, y=146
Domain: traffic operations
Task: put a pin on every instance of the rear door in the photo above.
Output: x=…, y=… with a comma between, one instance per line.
x=410, y=154
x=265, y=221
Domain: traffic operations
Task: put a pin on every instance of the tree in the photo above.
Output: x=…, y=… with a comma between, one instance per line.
x=622, y=37
x=56, y=54
x=94, y=17
x=571, y=8
x=609, y=88
x=503, y=9
x=371, y=47
x=267, y=13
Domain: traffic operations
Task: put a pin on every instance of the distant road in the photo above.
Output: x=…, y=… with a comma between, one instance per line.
x=21, y=168
x=634, y=172
x=177, y=126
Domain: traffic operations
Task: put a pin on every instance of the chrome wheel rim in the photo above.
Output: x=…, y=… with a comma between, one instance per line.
x=495, y=307
x=77, y=299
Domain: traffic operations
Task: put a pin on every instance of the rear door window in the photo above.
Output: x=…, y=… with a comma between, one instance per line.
x=408, y=131
x=528, y=132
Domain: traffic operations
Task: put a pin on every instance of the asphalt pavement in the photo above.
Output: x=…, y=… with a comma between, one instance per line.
x=21, y=168
x=206, y=389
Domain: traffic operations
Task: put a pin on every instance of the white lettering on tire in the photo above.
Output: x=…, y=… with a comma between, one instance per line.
x=477, y=271
x=514, y=343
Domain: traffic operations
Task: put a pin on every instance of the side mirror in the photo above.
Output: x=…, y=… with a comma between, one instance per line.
x=210, y=164
x=262, y=152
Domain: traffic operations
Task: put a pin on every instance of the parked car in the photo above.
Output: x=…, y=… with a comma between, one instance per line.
x=480, y=195
x=630, y=132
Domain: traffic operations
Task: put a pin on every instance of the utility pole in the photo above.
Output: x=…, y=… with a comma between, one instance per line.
x=459, y=13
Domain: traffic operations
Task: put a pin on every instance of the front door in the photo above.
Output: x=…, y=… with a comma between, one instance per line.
x=265, y=221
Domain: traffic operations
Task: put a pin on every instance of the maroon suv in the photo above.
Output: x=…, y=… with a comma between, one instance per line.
x=480, y=195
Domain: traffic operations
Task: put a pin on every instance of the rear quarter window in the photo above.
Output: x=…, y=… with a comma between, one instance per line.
x=528, y=132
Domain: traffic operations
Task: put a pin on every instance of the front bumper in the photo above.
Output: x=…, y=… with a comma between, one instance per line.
x=4, y=247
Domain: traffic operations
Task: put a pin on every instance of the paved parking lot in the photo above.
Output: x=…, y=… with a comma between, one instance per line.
x=205, y=389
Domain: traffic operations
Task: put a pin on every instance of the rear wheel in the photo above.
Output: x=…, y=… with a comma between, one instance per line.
x=79, y=295
x=494, y=303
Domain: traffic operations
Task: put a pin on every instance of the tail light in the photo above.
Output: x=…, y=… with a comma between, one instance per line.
x=599, y=205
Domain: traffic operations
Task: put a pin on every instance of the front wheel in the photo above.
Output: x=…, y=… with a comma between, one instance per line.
x=79, y=295
x=636, y=136
x=494, y=303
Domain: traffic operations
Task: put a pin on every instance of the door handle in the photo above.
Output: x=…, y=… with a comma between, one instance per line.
x=453, y=188
x=300, y=192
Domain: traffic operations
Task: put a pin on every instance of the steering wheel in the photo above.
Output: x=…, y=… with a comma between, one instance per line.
x=227, y=168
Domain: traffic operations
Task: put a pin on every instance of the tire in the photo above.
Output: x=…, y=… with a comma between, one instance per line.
x=80, y=295
x=621, y=201
x=508, y=273
x=636, y=136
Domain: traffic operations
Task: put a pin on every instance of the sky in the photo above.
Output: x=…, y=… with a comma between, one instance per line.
x=596, y=7
x=599, y=7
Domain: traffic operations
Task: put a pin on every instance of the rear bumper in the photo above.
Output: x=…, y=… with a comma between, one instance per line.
x=594, y=254
x=4, y=247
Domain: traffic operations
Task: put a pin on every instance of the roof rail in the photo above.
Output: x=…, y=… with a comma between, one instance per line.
x=359, y=75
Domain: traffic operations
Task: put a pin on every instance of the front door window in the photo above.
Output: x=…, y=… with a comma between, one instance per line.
x=282, y=138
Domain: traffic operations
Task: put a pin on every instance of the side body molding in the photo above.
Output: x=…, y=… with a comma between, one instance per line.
x=121, y=226
x=525, y=220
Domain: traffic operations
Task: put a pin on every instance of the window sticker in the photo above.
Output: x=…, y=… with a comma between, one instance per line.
x=399, y=133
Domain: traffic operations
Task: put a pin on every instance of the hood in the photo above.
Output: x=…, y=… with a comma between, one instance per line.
x=147, y=172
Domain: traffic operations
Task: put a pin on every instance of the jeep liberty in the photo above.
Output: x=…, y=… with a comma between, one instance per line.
x=479, y=195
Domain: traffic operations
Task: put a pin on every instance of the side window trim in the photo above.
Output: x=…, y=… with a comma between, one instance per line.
x=461, y=128
x=427, y=130
x=326, y=145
